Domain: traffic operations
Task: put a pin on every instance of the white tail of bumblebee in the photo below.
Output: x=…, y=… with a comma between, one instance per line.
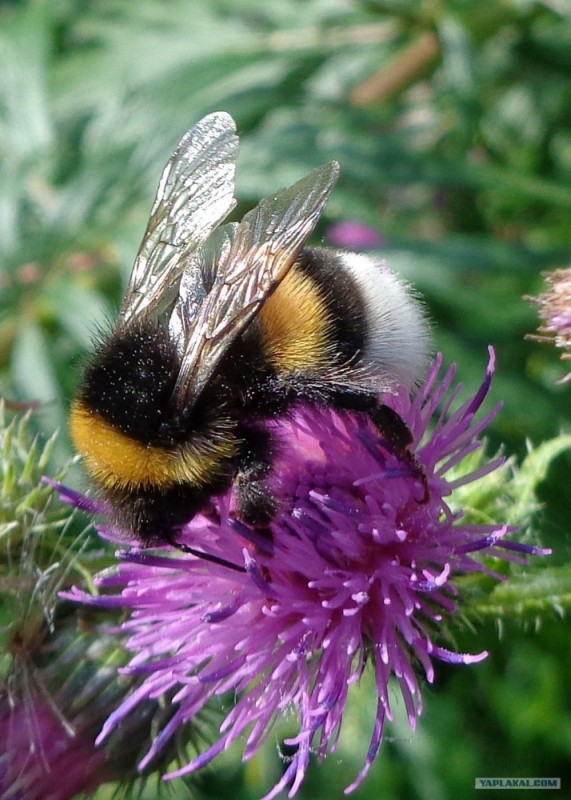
x=398, y=340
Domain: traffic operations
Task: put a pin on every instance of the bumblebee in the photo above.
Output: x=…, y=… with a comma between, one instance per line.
x=224, y=327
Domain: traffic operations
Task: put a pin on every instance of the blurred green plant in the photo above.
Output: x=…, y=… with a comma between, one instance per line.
x=450, y=120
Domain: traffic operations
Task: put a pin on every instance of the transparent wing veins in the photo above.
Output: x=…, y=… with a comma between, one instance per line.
x=251, y=259
x=195, y=193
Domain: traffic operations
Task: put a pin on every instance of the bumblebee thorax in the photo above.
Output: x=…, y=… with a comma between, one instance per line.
x=130, y=383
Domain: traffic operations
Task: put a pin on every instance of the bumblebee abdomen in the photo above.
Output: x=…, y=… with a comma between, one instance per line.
x=337, y=310
x=315, y=317
x=397, y=334
x=295, y=324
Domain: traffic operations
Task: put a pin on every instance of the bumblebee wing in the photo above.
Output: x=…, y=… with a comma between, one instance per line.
x=196, y=192
x=248, y=263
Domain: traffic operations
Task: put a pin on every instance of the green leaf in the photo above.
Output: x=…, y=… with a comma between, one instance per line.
x=531, y=474
x=529, y=598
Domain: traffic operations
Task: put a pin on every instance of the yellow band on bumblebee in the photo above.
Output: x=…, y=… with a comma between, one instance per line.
x=117, y=461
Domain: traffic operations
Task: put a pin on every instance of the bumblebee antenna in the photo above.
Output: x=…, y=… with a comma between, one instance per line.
x=222, y=562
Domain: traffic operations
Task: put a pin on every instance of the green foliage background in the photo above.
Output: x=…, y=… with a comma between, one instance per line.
x=464, y=168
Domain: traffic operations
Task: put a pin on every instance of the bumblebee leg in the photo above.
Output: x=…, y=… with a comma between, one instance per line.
x=392, y=428
x=398, y=436
x=222, y=562
x=256, y=501
x=257, y=504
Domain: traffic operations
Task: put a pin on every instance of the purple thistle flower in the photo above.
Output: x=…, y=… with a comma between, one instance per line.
x=555, y=313
x=357, y=570
x=59, y=765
